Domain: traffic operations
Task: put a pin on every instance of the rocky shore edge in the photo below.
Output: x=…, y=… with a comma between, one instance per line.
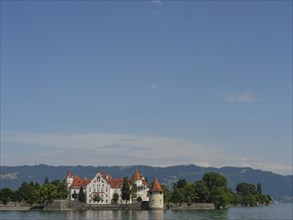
x=65, y=205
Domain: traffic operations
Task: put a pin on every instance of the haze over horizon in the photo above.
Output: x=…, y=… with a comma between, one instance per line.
x=155, y=83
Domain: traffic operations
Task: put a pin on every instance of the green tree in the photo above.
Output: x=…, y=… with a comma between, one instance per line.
x=236, y=199
x=7, y=195
x=213, y=180
x=181, y=183
x=46, y=180
x=245, y=189
x=189, y=193
x=28, y=193
x=219, y=194
x=81, y=195
x=74, y=195
x=139, y=199
x=62, y=191
x=167, y=194
x=115, y=198
x=97, y=198
x=177, y=195
x=48, y=192
x=125, y=191
x=258, y=188
x=267, y=199
x=221, y=197
x=133, y=192
x=201, y=191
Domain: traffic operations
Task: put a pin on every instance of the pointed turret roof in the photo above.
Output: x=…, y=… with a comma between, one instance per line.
x=136, y=175
x=156, y=187
x=69, y=174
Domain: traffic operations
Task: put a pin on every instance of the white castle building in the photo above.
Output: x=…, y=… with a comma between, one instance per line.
x=105, y=187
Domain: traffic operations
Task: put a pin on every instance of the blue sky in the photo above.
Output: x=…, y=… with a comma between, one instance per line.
x=149, y=82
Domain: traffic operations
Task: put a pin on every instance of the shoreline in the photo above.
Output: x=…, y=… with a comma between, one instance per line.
x=64, y=205
x=14, y=208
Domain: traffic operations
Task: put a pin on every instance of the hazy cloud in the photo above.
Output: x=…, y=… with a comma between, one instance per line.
x=157, y=2
x=153, y=86
x=121, y=149
x=242, y=97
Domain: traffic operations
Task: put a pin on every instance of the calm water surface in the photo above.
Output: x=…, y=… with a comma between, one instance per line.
x=280, y=211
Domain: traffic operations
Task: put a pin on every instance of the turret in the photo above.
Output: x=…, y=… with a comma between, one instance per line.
x=156, y=200
x=69, y=178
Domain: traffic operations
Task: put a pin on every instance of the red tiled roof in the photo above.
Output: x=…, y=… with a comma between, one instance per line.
x=105, y=175
x=78, y=182
x=145, y=183
x=116, y=183
x=156, y=186
x=136, y=175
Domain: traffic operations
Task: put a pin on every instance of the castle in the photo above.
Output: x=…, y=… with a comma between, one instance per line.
x=104, y=186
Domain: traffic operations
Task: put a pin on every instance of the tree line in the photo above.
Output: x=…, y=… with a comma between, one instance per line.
x=212, y=188
x=34, y=193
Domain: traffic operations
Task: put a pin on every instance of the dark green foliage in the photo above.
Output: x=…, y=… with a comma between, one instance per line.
x=7, y=195
x=218, y=193
x=181, y=183
x=28, y=193
x=81, y=195
x=74, y=195
x=177, y=195
x=133, y=192
x=97, y=198
x=115, y=198
x=245, y=189
x=201, y=190
x=214, y=180
x=125, y=191
x=258, y=188
x=139, y=199
x=183, y=192
x=251, y=196
x=167, y=194
x=46, y=180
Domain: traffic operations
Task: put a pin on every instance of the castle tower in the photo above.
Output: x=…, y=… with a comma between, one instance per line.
x=69, y=178
x=136, y=178
x=156, y=200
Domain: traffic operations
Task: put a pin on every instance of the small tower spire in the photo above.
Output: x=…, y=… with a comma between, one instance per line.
x=156, y=196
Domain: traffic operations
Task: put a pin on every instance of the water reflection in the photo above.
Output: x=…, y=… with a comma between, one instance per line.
x=119, y=214
x=282, y=211
x=153, y=214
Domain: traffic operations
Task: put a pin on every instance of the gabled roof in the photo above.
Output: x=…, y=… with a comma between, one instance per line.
x=156, y=187
x=104, y=175
x=136, y=175
x=78, y=182
x=116, y=183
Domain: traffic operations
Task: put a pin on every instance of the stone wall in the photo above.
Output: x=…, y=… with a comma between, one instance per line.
x=73, y=205
x=194, y=206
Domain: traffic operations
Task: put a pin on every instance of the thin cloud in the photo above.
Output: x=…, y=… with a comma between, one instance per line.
x=244, y=97
x=157, y=2
x=109, y=149
x=153, y=86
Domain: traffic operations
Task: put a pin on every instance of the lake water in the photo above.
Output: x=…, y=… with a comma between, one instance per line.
x=280, y=211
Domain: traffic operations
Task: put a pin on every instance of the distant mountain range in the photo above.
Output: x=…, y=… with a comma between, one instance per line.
x=278, y=186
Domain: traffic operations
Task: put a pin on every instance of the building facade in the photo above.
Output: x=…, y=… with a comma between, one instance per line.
x=101, y=189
